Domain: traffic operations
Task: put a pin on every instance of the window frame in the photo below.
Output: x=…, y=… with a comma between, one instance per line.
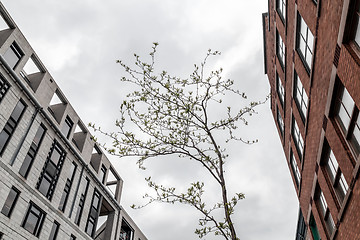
x=11, y=124
x=54, y=231
x=324, y=211
x=7, y=210
x=80, y=209
x=41, y=217
x=300, y=98
x=280, y=46
x=68, y=184
x=354, y=118
x=280, y=121
x=297, y=138
x=280, y=90
x=281, y=7
x=295, y=168
x=299, y=36
x=17, y=51
x=93, y=213
x=333, y=173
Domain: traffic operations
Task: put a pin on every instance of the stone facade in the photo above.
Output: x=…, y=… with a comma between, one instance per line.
x=47, y=178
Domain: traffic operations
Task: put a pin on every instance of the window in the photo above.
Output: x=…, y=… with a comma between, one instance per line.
x=334, y=173
x=295, y=168
x=324, y=210
x=280, y=121
x=280, y=90
x=305, y=42
x=10, y=202
x=313, y=228
x=67, y=188
x=93, y=214
x=30, y=156
x=66, y=128
x=102, y=174
x=298, y=140
x=13, y=55
x=356, y=24
x=4, y=87
x=126, y=232
x=34, y=219
x=347, y=115
x=54, y=230
x=11, y=125
x=72, y=237
x=280, y=49
x=81, y=203
x=301, y=227
x=51, y=170
x=281, y=8
x=301, y=98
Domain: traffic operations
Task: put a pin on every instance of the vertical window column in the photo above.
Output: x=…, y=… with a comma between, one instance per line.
x=324, y=211
x=93, y=214
x=280, y=49
x=51, y=170
x=300, y=96
x=295, y=168
x=81, y=203
x=298, y=140
x=69, y=180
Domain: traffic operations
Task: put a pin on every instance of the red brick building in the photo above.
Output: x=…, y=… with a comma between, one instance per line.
x=312, y=59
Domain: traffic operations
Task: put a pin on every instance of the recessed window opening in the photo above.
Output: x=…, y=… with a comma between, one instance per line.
x=96, y=158
x=10, y=202
x=280, y=90
x=126, y=232
x=298, y=140
x=280, y=49
x=324, y=210
x=280, y=121
x=32, y=66
x=79, y=136
x=112, y=181
x=34, y=219
x=57, y=106
x=13, y=55
x=281, y=8
x=82, y=202
x=295, y=169
x=67, y=126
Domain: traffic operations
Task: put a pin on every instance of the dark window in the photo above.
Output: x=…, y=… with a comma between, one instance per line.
x=81, y=203
x=323, y=209
x=72, y=237
x=295, y=169
x=305, y=42
x=347, y=115
x=69, y=180
x=34, y=147
x=280, y=49
x=334, y=173
x=300, y=96
x=11, y=125
x=298, y=140
x=13, y=55
x=301, y=227
x=54, y=230
x=93, y=214
x=34, y=219
x=313, y=228
x=4, y=87
x=126, y=232
x=280, y=121
x=1, y=235
x=281, y=8
x=10, y=202
x=66, y=128
x=51, y=170
x=102, y=174
x=280, y=90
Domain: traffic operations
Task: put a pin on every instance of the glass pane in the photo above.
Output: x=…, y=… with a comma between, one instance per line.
x=347, y=101
x=11, y=57
x=302, y=46
x=25, y=166
x=308, y=57
x=55, y=156
x=356, y=132
x=9, y=202
x=344, y=117
x=30, y=223
x=303, y=27
x=310, y=41
x=39, y=135
x=4, y=136
x=44, y=186
x=17, y=111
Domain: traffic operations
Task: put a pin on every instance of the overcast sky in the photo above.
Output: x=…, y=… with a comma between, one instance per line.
x=80, y=40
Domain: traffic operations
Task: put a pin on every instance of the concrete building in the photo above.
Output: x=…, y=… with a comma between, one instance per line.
x=312, y=60
x=55, y=183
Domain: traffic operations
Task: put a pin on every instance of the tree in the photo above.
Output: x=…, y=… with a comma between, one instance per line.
x=174, y=118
